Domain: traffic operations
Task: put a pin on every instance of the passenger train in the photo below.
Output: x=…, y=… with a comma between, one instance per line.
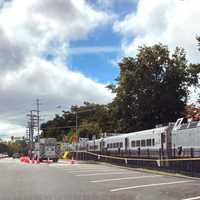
x=180, y=138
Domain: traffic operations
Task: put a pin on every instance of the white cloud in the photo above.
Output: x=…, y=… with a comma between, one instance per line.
x=10, y=130
x=29, y=29
x=36, y=24
x=173, y=22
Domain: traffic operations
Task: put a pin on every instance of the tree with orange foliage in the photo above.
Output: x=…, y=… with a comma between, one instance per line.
x=193, y=111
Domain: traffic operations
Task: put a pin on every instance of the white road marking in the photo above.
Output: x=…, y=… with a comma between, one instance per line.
x=124, y=178
x=149, y=185
x=71, y=169
x=192, y=198
x=97, y=174
x=77, y=166
x=95, y=170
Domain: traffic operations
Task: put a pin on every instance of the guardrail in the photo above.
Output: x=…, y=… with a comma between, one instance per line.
x=188, y=166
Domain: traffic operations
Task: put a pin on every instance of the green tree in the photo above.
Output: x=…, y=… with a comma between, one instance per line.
x=92, y=119
x=152, y=88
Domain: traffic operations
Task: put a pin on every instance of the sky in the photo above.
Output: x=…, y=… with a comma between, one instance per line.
x=65, y=52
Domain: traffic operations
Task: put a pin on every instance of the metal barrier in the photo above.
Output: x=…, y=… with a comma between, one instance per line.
x=187, y=166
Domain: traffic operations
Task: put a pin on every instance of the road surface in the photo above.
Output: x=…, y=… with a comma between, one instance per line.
x=62, y=181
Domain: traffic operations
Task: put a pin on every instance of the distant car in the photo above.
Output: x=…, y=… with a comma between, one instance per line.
x=16, y=155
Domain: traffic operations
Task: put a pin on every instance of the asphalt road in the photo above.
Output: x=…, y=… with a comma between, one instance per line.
x=19, y=181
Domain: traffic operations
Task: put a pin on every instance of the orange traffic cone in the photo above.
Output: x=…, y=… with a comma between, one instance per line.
x=72, y=161
x=38, y=161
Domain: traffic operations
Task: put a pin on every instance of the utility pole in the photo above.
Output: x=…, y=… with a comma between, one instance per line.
x=76, y=134
x=32, y=124
x=76, y=123
x=76, y=114
x=31, y=130
x=38, y=119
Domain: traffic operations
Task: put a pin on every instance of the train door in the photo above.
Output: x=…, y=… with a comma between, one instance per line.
x=102, y=145
x=126, y=145
x=163, y=140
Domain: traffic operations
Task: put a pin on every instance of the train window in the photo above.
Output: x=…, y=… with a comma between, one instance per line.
x=143, y=143
x=138, y=143
x=133, y=143
x=121, y=144
x=153, y=142
x=148, y=142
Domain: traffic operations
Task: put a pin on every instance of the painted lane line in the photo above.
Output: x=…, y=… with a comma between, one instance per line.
x=82, y=169
x=124, y=178
x=85, y=170
x=149, y=185
x=96, y=174
x=192, y=198
x=93, y=170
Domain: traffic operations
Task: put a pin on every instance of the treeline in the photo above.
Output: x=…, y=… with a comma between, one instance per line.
x=152, y=88
x=12, y=147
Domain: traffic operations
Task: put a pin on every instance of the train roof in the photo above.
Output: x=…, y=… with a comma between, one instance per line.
x=147, y=131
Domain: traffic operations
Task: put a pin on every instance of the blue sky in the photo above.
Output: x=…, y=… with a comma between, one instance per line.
x=101, y=66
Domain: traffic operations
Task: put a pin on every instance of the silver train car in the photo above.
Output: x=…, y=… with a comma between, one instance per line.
x=178, y=139
x=186, y=137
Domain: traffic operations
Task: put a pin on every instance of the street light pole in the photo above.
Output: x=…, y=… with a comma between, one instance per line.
x=76, y=123
x=76, y=134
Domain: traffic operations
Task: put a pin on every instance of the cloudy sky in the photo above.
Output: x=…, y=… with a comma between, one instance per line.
x=65, y=51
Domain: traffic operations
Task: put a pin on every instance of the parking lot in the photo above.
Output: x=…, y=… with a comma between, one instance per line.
x=63, y=181
x=112, y=182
